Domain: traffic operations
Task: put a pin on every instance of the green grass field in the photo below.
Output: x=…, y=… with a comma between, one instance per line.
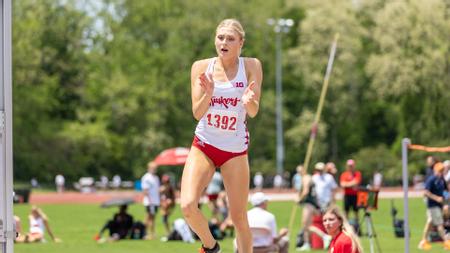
x=77, y=224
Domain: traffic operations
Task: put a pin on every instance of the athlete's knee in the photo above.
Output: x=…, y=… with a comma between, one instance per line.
x=239, y=219
x=188, y=206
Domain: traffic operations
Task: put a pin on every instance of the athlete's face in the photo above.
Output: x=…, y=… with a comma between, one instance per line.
x=332, y=223
x=228, y=42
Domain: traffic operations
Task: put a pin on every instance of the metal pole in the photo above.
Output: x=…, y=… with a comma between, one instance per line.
x=405, y=144
x=7, y=233
x=323, y=93
x=279, y=106
x=313, y=134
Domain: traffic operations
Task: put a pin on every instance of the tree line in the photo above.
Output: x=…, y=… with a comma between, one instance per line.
x=101, y=87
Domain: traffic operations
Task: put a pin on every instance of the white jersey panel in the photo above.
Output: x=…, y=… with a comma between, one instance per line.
x=224, y=124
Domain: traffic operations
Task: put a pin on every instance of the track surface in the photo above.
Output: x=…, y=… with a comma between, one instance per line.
x=101, y=196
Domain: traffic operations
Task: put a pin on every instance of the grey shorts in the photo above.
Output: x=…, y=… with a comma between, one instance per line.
x=434, y=214
x=151, y=209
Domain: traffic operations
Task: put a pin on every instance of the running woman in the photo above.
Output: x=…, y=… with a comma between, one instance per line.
x=224, y=90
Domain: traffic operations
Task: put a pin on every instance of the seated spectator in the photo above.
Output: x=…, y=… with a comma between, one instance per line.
x=180, y=232
x=38, y=224
x=264, y=227
x=119, y=227
x=17, y=226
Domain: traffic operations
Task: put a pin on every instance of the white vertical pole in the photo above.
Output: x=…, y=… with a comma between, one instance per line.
x=6, y=176
x=405, y=144
x=279, y=105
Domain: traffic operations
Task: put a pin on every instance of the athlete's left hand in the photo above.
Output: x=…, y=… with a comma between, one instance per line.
x=249, y=94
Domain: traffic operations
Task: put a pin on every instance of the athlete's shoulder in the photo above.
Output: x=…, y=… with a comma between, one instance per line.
x=252, y=62
x=201, y=64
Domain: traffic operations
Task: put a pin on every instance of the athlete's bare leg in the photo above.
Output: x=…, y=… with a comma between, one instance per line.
x=197, y=174
x=235, y=174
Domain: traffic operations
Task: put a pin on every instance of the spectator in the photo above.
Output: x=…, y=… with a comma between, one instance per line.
x=222, y=204
x=17, y=226
x=119, y=227
x=317, y=195
x=344, y=240
x=325, y=186
x=277, y=182
x=330, y=168
x=350, y=180
x=180, y=232
x=258, y=181
x=38, y=224
x=34, y=183
x=167, y=198
x=215, y=186
x=116, y=181
x=104, y=182
x=59, y=182
x=150, y=189
x=447, y=171
x=431, y=160
x=377, y=180
x=446, y=216
x=434, y=192
x=297, y=179
x=264, y=227
x=286, y=179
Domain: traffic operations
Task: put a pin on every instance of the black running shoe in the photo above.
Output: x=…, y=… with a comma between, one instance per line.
x=215, y=249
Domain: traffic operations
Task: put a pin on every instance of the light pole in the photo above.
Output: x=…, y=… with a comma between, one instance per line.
x=280, y=26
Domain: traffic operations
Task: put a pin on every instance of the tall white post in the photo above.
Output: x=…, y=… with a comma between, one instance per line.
x=405, y=144
x=280, y=26
x=6, y=176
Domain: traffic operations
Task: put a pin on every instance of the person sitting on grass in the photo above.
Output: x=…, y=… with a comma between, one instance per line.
x=119, y=227
x=38, y=224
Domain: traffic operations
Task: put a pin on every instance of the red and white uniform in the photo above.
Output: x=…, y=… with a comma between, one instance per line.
x=37, y=225
x=224, y=124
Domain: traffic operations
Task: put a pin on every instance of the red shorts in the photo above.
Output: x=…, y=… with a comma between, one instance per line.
x=217, y=156
x=212, y=197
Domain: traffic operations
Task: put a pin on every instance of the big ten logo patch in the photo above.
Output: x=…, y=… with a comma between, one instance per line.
x=239, y=84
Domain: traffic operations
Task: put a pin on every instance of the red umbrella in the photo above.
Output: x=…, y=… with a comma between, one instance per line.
x=172, y=156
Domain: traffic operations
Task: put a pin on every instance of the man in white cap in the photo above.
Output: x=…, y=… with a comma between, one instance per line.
x=325, y=186
x=264, y=227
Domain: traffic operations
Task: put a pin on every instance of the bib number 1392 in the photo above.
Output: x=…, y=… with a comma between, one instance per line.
x=222, y=121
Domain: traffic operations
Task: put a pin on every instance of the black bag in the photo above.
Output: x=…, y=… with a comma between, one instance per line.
x=399, y=230
x=433, y=235
x=137, y=231
x=300, y=239
x=215, y=231
x=174, y=236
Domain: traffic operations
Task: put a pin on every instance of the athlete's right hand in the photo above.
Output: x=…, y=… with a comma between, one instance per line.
x=207, y=83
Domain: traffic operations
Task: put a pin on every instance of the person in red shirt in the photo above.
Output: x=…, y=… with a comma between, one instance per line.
x=350, y=180
x=344, y=240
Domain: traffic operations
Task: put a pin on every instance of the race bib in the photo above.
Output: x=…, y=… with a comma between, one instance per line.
x=222, y=120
